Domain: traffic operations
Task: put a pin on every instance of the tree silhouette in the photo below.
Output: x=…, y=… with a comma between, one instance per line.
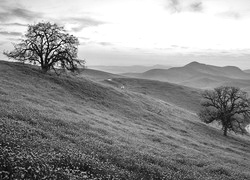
x=227, y=105
x=48, y=45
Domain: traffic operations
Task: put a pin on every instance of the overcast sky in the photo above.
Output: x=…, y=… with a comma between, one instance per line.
x=142, y=32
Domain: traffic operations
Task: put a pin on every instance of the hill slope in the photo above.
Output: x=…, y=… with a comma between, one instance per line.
x=180, y=96
x=69, y=127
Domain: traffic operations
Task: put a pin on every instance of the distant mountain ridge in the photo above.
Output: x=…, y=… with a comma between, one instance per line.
x=198, y=75
x=228, y=71
x=128, y=69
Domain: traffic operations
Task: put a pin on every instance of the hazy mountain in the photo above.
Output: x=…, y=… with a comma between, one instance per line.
x=128, y=69
x=198, y=75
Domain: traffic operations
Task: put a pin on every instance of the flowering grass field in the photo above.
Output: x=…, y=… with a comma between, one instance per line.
x=69, y=127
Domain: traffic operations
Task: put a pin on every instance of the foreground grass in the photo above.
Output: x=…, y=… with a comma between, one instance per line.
x=72, y=128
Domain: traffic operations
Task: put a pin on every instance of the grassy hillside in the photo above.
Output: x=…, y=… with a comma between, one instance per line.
x=69, y=127
x=181, y=96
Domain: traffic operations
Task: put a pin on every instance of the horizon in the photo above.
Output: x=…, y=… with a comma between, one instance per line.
x=166, y=65
x=163, y=65
x=129, y=33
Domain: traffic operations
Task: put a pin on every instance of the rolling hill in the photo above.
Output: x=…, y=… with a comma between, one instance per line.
x=174, y=94
x=70, y=127
x=198, y=75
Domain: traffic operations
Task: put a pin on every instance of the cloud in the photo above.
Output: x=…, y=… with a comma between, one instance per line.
x=99, y=44
x=174, y=5
x=83, y=22
x=196, y=6
x=105, y=43
x=178, y=6
x=14, y=24
x=14, y=39
x=6, y=33
x=12, y=13
x=25, y=14
x=179, y=47
x=2, y=43
x=84, y=38
x=87, y=41
x=174, y=46
x=230, y=15
x=184, y=47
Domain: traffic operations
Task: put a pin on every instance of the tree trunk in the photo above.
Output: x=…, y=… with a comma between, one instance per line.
x=45, y=68
x=225, y=131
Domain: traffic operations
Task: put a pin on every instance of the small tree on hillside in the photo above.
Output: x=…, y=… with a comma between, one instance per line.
x=48, y=45
x=227, y=105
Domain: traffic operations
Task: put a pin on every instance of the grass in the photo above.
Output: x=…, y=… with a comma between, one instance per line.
x=70, y=127
x=181, y=96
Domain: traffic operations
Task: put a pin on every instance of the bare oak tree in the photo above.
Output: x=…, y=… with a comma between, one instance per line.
x=227, y=105
x=48, y=45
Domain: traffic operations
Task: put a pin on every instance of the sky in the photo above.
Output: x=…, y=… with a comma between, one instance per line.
x=140, y=32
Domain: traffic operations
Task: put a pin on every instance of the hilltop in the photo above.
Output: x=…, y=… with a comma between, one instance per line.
x=71, y=127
